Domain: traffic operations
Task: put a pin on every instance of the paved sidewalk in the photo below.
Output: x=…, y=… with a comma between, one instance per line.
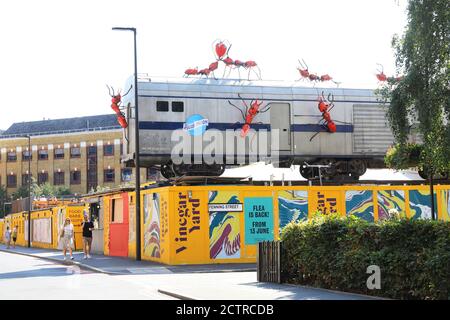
x=240, y=286
x=117, y=265
x=199, y=282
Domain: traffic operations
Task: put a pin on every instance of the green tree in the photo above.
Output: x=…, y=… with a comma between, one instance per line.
x=423, y=94
x=21, y=192
x=48, y=190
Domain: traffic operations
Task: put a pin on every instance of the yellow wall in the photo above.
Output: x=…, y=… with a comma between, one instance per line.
x=180, y=239
x=2, y=231
x=75, y=212
x=184, y=225
x=17, y=219
x=132, y=225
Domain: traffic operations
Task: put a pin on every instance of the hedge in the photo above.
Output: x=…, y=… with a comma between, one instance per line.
x=334, y=253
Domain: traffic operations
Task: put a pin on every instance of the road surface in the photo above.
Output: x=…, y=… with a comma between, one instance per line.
x=23, y=277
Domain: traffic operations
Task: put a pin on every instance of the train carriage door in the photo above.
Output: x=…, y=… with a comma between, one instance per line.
x=280, y=119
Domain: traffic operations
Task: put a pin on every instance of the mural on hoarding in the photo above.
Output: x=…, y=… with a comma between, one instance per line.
x=420, y=202
x=292, y=206
x=164, y=221
x=225, y=210
x=151, y=225
x=360, y=204
x=391, y=199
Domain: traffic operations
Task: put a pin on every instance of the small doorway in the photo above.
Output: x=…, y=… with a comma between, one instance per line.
x=280, y=119
x=119, y=226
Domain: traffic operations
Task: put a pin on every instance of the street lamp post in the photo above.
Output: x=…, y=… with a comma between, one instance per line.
x=136, y=148
x=30, y=201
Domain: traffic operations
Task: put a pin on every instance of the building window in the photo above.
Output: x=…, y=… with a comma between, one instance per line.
x=75, y=177
x=58, y=178
x=12, y=156
x=42, y=177
x=43, y=154
x=75, y=152
x=108, y=150
x=177, y=106
x=92, y=150
x=11, y=181
x=109, y=175
x=27, y=155
x=25, y=179
x=152, y=174
x=126, y=174
x=59, y=153
x=162, y=106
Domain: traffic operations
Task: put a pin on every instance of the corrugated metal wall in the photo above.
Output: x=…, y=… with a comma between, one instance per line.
x=372, y=133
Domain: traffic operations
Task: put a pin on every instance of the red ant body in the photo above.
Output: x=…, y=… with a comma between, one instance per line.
x=213, y=66
x=191, y=72
x=204, y=72
x=383, y=77
x=305, y=74
x=116, y=100
x=325, y=106
x=250, y=113
x=221, y=49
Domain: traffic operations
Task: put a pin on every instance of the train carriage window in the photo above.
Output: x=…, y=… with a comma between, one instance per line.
x=177, y=106
x=162, y=106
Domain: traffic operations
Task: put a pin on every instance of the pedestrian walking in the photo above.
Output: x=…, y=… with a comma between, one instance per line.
x=14, y=237
x=66, y=236
x=8, y=237
x=88, y=226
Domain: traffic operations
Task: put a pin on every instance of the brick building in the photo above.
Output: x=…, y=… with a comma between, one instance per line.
x=78, y=153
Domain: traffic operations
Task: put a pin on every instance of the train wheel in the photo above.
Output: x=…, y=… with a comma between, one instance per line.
x=306, y=172
x=357, y=167
x=167, y=171
x=219, y=169
x=213, y=170
x=328, y=173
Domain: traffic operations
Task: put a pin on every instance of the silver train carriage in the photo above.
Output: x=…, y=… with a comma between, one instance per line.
x=180, y=118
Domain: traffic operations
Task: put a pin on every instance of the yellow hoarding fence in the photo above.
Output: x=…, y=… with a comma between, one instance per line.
x=223, y=224
x=45, y=226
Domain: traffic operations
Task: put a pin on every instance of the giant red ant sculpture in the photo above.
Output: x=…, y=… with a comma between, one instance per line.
x=383, y=78
x=325, y=106
x=250, y=113
x=305, y=74
x=221, y=49
x=116, y=100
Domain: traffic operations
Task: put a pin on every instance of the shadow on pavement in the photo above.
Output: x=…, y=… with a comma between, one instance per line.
x=42, y=272
x=294, y=292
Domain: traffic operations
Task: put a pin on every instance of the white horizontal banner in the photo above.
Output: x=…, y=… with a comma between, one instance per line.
x=220, y=207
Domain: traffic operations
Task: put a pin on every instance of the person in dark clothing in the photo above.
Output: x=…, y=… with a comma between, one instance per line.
x=88, y=226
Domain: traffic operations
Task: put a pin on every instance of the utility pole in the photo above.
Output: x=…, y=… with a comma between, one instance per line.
x=136, y=149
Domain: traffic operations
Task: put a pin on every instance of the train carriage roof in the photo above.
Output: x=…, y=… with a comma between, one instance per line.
x=235, y=86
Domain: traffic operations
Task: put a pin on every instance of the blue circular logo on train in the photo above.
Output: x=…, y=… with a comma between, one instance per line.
x=196, y=125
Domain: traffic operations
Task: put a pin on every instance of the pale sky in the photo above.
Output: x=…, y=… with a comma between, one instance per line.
x=57, y=56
